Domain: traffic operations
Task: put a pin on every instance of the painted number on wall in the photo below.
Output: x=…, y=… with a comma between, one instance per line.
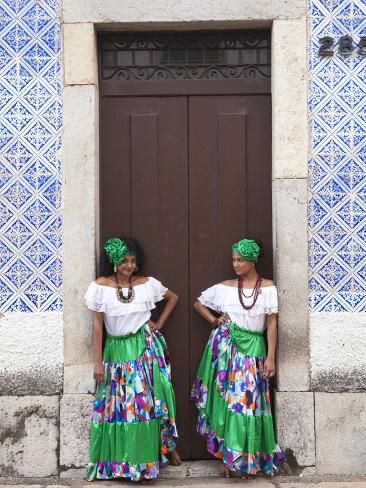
x=346, y=46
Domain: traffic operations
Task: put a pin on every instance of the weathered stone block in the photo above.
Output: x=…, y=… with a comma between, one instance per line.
x=291, y=258
x=29, y=436
x=21, y=486
x=76, y=411
x=73, y=473
x=31, y=353
x=79, y=377
x=340, y=426
x=291, y=130
x=80, y=58
x=295, y=425
x=337, y=351
x=107, y=11
x=309, y=471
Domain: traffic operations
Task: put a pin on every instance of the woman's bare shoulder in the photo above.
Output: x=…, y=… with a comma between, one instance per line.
x=140, y=280
x=266, y=283
x=105, y=280
x=229, y=283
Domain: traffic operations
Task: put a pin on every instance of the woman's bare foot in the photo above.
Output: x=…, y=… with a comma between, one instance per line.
x=224, y=472
x=285, y=469
x=247, y=476
x=174, y=458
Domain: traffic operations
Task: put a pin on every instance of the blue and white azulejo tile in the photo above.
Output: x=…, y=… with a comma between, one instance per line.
x=30, y=138
x=337, y=168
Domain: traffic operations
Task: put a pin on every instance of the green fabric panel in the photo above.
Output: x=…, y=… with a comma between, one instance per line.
x=135, y=443
x=243, y=433
x=205, y=369
x=158, y=387
x=162, y=342
x=91, y=471
x=163, y=389
x=119, y=349
x=169, y=396
x=248, y=342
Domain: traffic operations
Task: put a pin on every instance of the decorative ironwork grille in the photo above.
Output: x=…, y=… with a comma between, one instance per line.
x=187, y=56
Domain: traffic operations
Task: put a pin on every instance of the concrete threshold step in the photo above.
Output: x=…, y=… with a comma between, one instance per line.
x=200, y=474
x=277, y=482
x=187, y=470
x=205, y=473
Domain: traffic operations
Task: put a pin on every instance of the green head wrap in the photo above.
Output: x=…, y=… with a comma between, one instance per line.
x=116, y=250
x=248, y=248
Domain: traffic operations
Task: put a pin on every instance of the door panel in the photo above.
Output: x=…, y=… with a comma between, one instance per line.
x=187, y=176
x=144, y=186
x=229, y=198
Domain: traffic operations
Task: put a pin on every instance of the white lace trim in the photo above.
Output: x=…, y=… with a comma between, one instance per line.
x=225, y=299
x=100, y=298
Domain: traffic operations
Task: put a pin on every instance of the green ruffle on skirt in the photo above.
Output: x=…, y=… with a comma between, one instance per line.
x=133, y=423
x=118, y=441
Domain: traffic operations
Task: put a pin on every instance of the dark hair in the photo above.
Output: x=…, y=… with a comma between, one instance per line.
x=106, y=267
x=260, y=244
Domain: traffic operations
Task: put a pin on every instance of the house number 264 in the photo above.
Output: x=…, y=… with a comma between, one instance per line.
x=346, y=46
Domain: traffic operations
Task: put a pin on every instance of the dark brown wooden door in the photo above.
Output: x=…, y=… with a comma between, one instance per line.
x=187, y=176
x=229, y=197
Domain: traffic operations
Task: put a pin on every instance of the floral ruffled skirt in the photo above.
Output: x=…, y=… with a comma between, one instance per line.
x=133, y=424
x=232, y=397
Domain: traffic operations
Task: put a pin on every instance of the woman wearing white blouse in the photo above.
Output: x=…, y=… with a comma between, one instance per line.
x=133, y=426
x=231, y=388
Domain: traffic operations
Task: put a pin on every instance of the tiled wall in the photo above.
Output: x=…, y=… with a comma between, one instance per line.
x=30, y=176
x=337, y=169
x=30, y=137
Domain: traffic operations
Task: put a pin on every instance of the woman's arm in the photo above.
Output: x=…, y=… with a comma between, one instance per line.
x=171, y=302
x=208, y=315
x=270, y=364
x=97, y=341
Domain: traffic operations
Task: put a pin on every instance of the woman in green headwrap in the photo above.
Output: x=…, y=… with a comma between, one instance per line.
x=133, y=427
x=231, y=388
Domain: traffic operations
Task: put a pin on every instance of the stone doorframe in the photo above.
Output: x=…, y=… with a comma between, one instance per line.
x=290, y=152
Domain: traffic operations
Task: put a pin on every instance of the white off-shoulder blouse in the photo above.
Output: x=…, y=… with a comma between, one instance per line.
x=225, y=299
x=121, y=318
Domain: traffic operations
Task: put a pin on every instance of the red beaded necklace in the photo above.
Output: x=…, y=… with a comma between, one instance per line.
x=254, y=294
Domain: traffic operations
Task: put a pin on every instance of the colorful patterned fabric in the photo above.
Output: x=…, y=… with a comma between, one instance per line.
x=133, y=424
x=233, y=402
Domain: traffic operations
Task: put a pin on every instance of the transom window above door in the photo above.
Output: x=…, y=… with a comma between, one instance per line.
x=167, y=56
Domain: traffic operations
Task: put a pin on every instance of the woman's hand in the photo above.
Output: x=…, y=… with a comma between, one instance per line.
x=98, y=371
x=220, y=320
x=171, y=301
x=269, y=368
x=154, y=325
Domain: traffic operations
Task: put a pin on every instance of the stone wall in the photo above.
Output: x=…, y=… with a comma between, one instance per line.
x=290, y=157
x=319, y=212
x=326, y=429
x=31, y=323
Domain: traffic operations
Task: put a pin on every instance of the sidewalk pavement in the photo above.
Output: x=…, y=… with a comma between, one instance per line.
x=200, y=474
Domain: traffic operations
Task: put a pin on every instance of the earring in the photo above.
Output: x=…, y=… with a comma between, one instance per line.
x=136, y=269
x=115, y=269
